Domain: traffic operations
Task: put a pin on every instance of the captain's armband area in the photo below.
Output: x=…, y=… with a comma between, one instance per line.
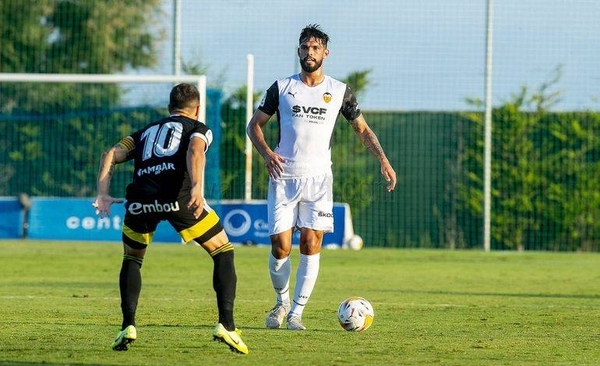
x=127, y=145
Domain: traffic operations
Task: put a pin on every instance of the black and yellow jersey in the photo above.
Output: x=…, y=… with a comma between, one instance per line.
x=159, y=153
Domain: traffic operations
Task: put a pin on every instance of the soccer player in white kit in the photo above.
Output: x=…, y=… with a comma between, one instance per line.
x=300, y=193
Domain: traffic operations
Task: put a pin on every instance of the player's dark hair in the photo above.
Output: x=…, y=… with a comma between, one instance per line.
x=184, y=96
x=313, y=31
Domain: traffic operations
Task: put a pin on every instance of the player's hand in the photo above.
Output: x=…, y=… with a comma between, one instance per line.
x=196, y=202
x=274, y=165
x=102, y=204
x=389, y=174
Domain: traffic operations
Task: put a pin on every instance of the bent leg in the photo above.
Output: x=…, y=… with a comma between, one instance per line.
x=224, y=276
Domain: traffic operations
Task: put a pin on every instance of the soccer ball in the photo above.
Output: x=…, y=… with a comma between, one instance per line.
x=355, y=314
x=355, y=242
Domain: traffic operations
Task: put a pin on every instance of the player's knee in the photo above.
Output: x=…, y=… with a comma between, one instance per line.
x=310, y=247
x=279, y=252
x=310, y=242
x=280, y=248
x=133, y=258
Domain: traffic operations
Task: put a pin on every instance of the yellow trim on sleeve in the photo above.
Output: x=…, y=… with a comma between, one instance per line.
x=127, y=143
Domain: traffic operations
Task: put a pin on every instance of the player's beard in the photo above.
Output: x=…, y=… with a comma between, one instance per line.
x=308, y=68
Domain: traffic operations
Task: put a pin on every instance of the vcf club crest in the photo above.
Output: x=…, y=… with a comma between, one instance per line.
x=327, y=97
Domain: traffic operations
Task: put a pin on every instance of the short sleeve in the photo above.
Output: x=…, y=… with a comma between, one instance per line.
x=270, y=101
x=204, y=133
x=350, y=109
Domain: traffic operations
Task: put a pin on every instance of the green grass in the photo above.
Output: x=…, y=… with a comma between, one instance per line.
x=59, y=305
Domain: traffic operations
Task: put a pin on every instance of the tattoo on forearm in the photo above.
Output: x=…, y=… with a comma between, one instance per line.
x=372, y=144
x=369, y=139
x=111, y=169
x=101, y=164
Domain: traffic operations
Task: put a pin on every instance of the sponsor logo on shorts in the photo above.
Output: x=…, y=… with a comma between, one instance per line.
x=138, y=208
x=325, y=214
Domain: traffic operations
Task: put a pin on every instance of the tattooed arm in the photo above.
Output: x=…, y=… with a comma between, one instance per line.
x=369, y=139
x=115, y=155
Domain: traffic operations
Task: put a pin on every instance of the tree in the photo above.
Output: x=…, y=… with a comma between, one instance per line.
x=514, y=169
x=60, y=36
x=350, y=157
x=358, y=81
x=544, y=173
x=233, y=114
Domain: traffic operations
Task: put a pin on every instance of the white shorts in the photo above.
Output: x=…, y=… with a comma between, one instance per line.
x=300, y=202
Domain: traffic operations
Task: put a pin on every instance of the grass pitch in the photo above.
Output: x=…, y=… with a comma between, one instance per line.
x=59, y=305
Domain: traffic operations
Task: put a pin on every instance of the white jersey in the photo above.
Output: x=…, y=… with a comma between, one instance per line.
x=306, y=117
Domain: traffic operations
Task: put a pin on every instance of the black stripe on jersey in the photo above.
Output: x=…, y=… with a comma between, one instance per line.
x=270, y=102
x=350, y=109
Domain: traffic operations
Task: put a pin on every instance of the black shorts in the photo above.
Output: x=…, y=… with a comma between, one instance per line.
x=142, y=218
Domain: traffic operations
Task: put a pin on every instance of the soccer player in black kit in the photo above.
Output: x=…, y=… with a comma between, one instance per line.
x=167, y=184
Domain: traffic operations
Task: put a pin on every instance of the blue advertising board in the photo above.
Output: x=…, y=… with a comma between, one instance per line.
x=246, y=222
x=74, y=219
x=11, y=218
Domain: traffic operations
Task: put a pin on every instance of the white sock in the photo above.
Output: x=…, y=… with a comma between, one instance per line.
x=280, y=270
x=306, y=277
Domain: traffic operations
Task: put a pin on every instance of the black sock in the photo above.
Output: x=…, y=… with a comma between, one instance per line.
x=224, y=284
x=130, y=285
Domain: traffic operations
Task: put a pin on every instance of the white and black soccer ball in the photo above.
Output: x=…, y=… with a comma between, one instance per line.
x=355, y=243
x=356, y=314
